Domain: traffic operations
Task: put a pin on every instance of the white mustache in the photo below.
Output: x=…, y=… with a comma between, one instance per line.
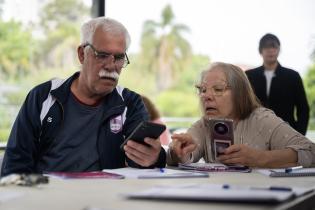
x=114, y=75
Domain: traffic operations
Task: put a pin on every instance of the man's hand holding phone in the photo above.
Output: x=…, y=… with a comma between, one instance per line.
x=144, y=155
x=143, y=146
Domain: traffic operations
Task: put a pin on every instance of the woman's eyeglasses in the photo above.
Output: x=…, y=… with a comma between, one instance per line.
x=216, y=90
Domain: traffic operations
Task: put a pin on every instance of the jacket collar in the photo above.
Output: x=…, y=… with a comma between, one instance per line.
x=113, y=99
x=62, y=93
x=277, y=71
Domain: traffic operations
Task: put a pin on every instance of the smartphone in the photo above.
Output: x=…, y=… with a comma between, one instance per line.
x=145, y=129
x=222, y=135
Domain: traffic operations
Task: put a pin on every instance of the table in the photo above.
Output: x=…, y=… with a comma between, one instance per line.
x=107, y=194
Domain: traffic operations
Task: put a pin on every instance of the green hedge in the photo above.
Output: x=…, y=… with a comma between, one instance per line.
x=4, y=135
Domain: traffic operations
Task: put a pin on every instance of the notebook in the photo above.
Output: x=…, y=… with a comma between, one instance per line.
x=217, y=193
x=299, y=172
x=214, y=167
x=85, y=175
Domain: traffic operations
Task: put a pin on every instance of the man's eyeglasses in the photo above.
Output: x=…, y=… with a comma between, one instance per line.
x=120, y=60
x=216, y=90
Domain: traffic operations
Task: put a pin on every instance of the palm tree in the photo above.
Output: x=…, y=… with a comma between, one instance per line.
x=163, y=48
x=60, y=21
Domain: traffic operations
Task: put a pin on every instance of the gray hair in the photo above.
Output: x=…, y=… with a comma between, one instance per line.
x=243, y=96
x=108, y=25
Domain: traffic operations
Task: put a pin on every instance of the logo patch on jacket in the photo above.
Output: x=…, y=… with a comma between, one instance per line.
x=116, y=124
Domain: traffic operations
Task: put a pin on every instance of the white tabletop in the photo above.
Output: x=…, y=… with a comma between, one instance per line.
x=107, y=194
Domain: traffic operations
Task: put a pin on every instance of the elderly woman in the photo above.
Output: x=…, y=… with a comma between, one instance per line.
x=261, y=139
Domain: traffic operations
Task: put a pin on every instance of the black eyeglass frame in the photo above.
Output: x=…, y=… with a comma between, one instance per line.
x=101, y=55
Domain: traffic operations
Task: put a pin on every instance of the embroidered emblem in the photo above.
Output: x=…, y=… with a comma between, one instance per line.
x=49, y=119
x=116, y=124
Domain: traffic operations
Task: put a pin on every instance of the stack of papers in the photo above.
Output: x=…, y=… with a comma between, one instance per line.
x=212, y=192
x=155, y=173
x=214, y=167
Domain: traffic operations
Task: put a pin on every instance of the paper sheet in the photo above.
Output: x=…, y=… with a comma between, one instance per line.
x=135, y=173
x=7, y=196
x=213, y=192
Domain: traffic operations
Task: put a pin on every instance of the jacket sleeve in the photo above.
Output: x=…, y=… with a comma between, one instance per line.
x=302, y=107
x=137, y=113
x=22, y=146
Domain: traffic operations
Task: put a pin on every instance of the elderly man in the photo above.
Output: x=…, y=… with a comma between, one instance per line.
x=78, y=124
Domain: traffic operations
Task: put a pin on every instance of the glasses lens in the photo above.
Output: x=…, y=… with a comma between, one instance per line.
x=121, y=60
x=102, y=56
x=218, y=90
x=198, y=89
x=125, y=61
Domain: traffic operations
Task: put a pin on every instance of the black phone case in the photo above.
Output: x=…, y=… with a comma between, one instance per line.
x=145, y=129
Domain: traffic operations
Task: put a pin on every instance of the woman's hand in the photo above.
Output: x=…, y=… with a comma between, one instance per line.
x=182, y=146
x=243, y=155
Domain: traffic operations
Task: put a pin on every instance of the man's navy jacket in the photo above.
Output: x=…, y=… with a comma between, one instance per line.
x=31, y=137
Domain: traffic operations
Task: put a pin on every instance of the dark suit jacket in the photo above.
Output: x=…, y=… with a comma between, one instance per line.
x=286, y=94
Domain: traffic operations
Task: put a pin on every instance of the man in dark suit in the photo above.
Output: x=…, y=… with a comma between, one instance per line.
x=279, y=88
